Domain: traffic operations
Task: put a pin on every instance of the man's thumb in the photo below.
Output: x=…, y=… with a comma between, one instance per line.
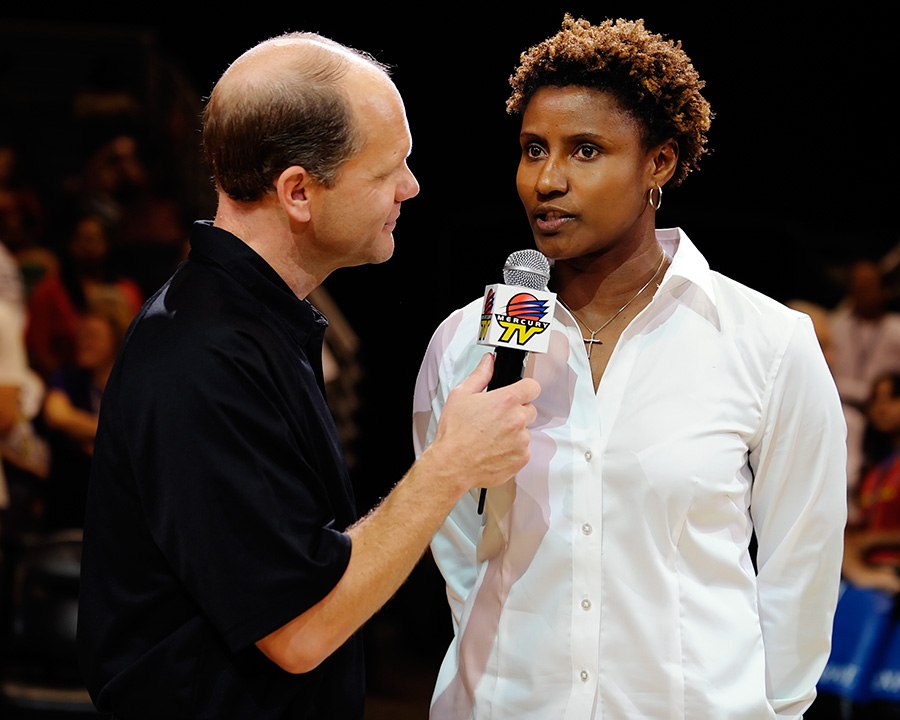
x=480, y=377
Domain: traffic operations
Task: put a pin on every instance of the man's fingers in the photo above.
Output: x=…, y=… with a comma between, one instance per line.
x=522, y=392
x=480, y=377
x=526, y=390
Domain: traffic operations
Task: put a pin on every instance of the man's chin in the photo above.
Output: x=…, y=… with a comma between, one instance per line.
x=381, y=253
x=385, y=252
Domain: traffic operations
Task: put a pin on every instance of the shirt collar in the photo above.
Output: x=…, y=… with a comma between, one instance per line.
x=210, y=244
x=688, y=265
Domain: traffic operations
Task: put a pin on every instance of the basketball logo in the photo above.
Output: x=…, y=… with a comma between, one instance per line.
x=526, y=306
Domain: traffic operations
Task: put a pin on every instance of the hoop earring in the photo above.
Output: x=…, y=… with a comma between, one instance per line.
x=658, y=199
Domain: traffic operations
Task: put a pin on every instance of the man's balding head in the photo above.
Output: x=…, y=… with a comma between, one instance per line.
x=280, y=104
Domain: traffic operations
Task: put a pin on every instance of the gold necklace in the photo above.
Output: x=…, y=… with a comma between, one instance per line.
x=591, y=341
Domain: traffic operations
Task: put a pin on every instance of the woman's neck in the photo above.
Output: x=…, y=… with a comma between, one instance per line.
x=599, y=285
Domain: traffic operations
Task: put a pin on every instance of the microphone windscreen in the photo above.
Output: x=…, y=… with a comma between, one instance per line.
x=527, y=268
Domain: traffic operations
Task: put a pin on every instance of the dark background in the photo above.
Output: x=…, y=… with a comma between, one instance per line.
x=802, y=179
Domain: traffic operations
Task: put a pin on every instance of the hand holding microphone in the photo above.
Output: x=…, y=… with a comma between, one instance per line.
x=516, y=319
x=482, y=437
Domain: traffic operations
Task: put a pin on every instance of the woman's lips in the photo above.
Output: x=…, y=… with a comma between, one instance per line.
x=551, y=222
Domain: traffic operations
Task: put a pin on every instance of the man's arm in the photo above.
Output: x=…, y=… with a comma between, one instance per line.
x=481, y=441
x=799, y=511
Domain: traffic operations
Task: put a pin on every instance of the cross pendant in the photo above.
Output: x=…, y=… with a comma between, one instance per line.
x=590, y=342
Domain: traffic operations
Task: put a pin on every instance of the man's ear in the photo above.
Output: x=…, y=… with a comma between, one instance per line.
x=664, y=159
x=293, y=187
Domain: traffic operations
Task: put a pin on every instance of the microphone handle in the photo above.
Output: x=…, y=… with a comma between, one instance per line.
x=509, y=366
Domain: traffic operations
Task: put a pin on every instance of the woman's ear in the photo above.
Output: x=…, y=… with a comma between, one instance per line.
x=664, y=160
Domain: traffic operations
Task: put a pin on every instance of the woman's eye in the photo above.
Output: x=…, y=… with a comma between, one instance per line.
x=533, y=151
x=588, y=152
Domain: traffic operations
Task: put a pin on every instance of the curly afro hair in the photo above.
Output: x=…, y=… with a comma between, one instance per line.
x=651, y=78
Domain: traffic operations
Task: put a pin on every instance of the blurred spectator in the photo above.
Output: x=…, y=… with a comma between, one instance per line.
x=866, y=345
x=872, y=546
x=24, y=454
x=57, y=302
x=22, y=220
x=342, y=371
x=145, y=222
x=73, y=404
x=21, y=214
x=866, y=336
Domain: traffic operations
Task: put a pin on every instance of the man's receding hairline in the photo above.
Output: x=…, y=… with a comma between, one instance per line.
x=307, y=46
x=287, y=77
x=275, y=61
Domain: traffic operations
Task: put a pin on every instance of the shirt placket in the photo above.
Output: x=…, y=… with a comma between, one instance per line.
x=587, y=496
x=596, y=413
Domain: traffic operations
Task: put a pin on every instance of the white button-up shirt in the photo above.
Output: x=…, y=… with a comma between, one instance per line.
x=612, y=578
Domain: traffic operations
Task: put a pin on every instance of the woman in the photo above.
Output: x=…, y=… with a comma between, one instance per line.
x=872, y=545
x=60, y=298
x=679, y=413
x=72, y=405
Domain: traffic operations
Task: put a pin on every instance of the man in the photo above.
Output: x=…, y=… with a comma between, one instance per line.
x=218, y=579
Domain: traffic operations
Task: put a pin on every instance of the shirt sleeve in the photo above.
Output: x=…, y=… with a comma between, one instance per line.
x=454, y=545
x=798, y=506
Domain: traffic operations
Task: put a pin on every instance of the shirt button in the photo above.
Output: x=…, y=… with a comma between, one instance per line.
x=587, y=529
x=584, y=676
x=586, y=604
x=588, y=455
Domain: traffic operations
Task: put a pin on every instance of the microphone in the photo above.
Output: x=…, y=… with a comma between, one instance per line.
x=521, y=329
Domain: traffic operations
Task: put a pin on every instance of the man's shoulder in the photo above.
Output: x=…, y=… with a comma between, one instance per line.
x=199, y=302
x=198, y=327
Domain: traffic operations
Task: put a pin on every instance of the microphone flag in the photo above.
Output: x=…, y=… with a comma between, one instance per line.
x=516, y=317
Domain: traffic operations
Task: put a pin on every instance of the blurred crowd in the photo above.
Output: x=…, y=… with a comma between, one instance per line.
x=861, y=342
x=80, y=251
x=75, y=270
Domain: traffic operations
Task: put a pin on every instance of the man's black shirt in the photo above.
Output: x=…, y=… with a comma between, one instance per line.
x=218, y=500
